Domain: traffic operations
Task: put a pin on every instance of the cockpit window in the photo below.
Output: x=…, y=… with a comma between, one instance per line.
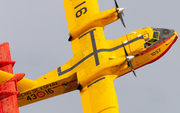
x=155, y=29
x=156, y=35
x=154, y=39
x=150, y=42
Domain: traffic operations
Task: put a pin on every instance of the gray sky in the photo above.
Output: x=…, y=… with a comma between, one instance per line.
x=37, y=32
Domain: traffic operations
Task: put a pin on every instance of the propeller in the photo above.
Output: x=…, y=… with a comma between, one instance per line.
x=120, y=13
x=129, y=58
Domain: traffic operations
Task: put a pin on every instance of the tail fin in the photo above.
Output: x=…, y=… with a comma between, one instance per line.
x=5, y=58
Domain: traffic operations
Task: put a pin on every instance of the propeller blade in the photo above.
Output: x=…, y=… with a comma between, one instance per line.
x=131, y=66
x=121, y=18
x=120, y=13
x=125, y=50
x=116, y=4
x=128, y=59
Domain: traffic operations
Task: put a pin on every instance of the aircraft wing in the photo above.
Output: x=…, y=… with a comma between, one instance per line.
x=100, y=96
x=78, y=10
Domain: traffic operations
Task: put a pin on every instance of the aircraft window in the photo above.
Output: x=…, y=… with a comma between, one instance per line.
x=150, y=42
x=156, y=35
x=146, y=45
x=155, y=29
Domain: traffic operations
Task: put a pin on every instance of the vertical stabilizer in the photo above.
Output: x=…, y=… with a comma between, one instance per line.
x=5, y=58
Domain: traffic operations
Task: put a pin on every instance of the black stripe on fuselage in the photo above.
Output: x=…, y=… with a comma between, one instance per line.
x=95, y=52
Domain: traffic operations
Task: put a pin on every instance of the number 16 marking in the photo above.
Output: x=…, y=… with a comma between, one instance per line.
x=81, y=11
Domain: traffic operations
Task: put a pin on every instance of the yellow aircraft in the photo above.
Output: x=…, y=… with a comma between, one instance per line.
x=96, y=62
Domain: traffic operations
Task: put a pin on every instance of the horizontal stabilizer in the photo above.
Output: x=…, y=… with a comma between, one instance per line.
x=5, y=76
x=25, y=84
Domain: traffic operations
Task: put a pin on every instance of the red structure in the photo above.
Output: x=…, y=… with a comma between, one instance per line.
x=9, y=90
